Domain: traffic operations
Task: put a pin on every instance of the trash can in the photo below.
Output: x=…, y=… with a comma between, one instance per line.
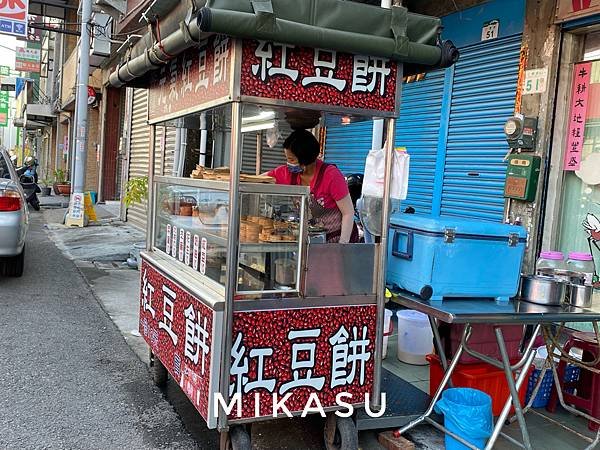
x=468, y=414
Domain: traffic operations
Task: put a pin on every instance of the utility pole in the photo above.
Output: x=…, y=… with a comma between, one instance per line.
x=76, y=213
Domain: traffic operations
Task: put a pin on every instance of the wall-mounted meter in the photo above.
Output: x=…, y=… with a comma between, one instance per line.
x=520, y=132
x=522, y=176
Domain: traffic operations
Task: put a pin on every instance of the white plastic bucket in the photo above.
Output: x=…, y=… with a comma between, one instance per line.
x=388, y=328
x=542, y=354
x=415, y=338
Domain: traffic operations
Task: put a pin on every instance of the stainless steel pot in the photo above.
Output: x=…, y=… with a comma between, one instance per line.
x=580, y=295
x=543, y=290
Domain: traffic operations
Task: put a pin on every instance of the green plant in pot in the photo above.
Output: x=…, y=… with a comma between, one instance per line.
x=61, y=185
x=46, y=184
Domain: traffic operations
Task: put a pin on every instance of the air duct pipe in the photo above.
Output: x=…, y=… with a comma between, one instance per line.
x=186, y=36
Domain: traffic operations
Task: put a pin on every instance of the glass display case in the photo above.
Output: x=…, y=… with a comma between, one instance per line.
x=191, y=227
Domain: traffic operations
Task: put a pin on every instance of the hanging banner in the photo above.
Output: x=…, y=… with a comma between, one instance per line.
x=27, y=59
x=578, y=111
x=575, y=9
x=13, y=17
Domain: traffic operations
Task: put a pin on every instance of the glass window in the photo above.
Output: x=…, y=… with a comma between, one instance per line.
x=580, y=211
x=191, y=227
x=269, y=243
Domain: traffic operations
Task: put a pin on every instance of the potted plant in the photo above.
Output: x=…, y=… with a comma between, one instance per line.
x=45, y=186
x=61, y=185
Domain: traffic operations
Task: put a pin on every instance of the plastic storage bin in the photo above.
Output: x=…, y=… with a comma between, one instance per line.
x=415, y=338
x=446, y=257
x=468, y=414
x=388, y=328
x=543, y=395
x=481, y=376
x=483, y=340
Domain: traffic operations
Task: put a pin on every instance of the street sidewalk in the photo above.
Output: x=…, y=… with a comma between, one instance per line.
x=100, y=252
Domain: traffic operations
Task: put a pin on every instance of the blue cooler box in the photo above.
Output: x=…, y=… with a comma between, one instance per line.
x=450, y=257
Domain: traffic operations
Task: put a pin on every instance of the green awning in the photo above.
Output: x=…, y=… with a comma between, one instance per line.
x=332, y=24
x=345, y=26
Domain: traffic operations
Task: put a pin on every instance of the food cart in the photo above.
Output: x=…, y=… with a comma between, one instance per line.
x=251, y=316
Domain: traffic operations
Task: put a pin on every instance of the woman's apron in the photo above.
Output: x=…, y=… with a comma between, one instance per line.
x=328, y=218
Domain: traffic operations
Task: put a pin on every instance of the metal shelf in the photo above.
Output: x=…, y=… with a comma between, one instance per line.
x=269, y=247
x=193, y=224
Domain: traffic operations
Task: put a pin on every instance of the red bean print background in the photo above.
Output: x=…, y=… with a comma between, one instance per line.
x=285, y=351
x=185, y=320
x=264, y=75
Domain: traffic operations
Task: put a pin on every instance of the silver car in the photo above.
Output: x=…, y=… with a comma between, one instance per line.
x=14, y=219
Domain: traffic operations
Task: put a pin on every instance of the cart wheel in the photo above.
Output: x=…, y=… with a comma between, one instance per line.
x=159, y=371
x=340, y=433
x=239, y=438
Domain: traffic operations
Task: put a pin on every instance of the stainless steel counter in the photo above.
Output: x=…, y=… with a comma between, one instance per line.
x=475, y=310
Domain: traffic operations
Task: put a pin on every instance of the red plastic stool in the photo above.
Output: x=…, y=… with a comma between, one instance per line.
x=583, y=393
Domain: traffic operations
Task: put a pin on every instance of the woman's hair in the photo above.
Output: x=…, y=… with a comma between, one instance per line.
x=304, y=146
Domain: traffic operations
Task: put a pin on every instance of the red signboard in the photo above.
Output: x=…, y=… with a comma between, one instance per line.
x=196, y=77
x=295, y=353
x=179, y=330
x=299, y=74
x=579, y=105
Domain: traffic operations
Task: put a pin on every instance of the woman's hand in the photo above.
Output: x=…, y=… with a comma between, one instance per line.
x=347, y=209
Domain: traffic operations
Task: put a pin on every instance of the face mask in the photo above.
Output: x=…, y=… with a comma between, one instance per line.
x=294, y=168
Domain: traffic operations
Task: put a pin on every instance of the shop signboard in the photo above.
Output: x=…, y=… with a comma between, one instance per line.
x=4, y=101
x=13, y=17
x=5, y=71
x=27, y=59
x=34, y=35
x=578, y=112
x=196, y=77
x=269, y=72
x=180, y=330
x=305, y=75
x=575, y=9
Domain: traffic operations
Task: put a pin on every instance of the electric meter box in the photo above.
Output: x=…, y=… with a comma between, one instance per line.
x=522, y=176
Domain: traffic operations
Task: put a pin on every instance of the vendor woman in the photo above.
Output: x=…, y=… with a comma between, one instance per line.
x=329, y=202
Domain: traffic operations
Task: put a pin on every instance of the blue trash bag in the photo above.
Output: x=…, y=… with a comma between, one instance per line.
x=468, y=414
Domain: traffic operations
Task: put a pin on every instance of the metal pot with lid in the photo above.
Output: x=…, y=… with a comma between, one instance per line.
x=543, y=290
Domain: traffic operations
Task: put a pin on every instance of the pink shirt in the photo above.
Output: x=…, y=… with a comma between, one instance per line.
x=330, y=190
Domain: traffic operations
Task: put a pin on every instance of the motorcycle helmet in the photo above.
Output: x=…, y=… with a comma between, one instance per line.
x=29, y=161
x=355, y=182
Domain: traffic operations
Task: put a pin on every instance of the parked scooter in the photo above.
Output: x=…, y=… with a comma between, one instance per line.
x=31, y=190
x=28, y=178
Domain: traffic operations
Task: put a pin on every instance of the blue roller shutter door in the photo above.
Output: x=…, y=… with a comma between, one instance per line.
x=452, y=125
x=483, y=97
x=347, y=146
x=418, y=130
